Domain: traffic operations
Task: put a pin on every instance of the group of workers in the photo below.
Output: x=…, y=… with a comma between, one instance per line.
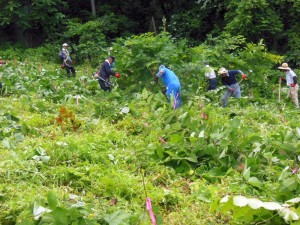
x=171, y=81
x=232, y=86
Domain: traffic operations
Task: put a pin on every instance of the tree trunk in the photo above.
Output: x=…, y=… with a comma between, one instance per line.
x=93, y=8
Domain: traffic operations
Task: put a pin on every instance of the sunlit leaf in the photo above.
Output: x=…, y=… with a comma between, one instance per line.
x=224, y=199
x=240, y=201
x=246, y=173
x=38, y=210
x=201, y=134
x=293, y=200
x=255, y=203
x=289, y=214
x=124, y=110
x=6, y=143
x=271, y=205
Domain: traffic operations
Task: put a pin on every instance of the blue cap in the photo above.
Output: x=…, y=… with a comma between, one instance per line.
x=161, y=71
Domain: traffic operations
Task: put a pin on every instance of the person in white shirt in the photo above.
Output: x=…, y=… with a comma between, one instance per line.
x=211, y=76
x=291, y=82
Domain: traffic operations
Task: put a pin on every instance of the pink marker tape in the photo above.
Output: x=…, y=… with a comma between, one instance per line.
x=149, y=208
x=295, y=170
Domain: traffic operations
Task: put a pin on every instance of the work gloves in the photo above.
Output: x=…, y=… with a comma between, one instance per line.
x=293, y=85
x=118, y=75
x=96, y=75
x=244, y=77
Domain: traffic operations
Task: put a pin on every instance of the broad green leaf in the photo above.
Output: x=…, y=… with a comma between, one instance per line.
x=285, y=173
x=183, y=116
x=289, y=184
x=52, y=200
x=223, y=153
x=224, y=143
x=254, y=182
x=235, y=123
x=60, y=216
x=246, y=173
x=116, y=218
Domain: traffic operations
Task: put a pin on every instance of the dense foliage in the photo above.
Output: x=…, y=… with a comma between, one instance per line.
x=274, y=21
x=72, y=154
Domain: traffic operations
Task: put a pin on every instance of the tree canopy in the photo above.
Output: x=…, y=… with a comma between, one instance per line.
x=274, y=21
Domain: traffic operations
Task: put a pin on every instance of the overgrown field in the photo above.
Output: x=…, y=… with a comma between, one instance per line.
x=73, y=154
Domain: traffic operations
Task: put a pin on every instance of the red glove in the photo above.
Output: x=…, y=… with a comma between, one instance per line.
x=281, y=78
x=244, y=77
x=293, y=85
x=117, y=75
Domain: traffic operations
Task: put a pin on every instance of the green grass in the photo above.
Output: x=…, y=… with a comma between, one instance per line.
x=108, y=155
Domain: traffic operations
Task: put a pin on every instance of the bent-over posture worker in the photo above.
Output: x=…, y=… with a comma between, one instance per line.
x=211, y=76
x=105, y=73
x=232, y=86
x=291, y=82
x=172, y=84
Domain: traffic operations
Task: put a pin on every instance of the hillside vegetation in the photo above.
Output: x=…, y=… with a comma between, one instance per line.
x=73, y=154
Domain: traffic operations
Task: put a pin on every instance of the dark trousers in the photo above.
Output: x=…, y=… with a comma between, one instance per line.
x=103, y=86
x=212, y=84
x=70, y=69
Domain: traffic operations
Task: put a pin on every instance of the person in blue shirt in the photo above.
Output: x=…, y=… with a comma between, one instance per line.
x=172, y=84
x=232, y=86
x=105, y=72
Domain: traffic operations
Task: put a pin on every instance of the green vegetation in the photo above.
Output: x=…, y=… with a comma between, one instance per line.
x=90, y=23
x=72, y=154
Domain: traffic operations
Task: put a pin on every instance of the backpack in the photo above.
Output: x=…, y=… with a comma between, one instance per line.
x=61, y=56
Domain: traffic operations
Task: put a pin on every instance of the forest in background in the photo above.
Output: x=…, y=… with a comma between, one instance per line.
x=93, y=24
x=73, y=154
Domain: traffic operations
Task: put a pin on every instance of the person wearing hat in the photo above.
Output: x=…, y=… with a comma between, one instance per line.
x=172, y=83
x=105, y=72
x=211, y=76
x=291, y=82
x=232, y=86
x=64, y=55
